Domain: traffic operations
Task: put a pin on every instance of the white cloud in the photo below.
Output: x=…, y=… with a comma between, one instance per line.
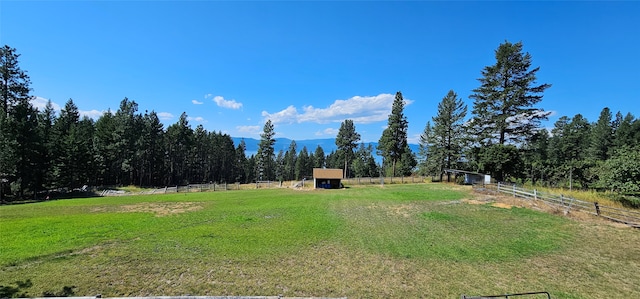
x=40, y=103
x=328, y=131
x=165, y=115
x=95, y=114
x=199, y=119
x=362, y=110
x=248, y=129
x=289, y=115
x=230, y=104
x=414, y=139
x=196, y=102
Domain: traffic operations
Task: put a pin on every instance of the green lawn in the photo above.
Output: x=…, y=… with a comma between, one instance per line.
x=400, y=241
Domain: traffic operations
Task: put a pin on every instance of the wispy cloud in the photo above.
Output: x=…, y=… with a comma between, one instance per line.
x=94, y=114
x=413, y=139
x=165, y=115
x=230, y=104
x=221, y=102
x=248, y=129
x=196, y=102
x=199, y=119
x=40, y=103
x=362, y=110
x=327, y=131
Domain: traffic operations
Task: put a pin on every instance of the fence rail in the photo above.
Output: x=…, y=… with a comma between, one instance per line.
x=629, y=217
x=383, y=180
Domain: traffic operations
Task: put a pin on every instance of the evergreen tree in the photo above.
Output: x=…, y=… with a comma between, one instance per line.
x=407, y=162
x=203, y=165
x=266, y=155
x=24, y=130
x=290, y=157
x=82, y=151
x=430, y=159
x=569, y=149
x=44, y=175
x=105, y=155
x=347, y=141
x=303, y=164
x=14, y=82
x=320, y=158
x=226, y=155
x=393, y=143
x=126, y=126
x=601, y=136
x=179, y=142
x=18, y=126
x=65, y=165
x=364, y=164
x=241, y=163
x=280, y=166
x=502, y=161
x=503, y=106
x=444, y=142
x=535, y=156
x=625, y=134
x=150, y=149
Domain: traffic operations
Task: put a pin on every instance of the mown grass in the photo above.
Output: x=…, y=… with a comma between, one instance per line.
x=405, y=241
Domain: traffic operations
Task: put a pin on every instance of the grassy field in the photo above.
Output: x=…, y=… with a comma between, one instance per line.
x=398, y=241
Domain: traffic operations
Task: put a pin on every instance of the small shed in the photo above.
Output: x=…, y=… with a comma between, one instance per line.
x=471, y=178
x=327, y=178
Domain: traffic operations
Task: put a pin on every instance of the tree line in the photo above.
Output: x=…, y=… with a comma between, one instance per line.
x=43, y=150
x=504, y=137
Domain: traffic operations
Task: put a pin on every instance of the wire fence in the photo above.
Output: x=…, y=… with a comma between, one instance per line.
x=260, y=185
x=626, y=216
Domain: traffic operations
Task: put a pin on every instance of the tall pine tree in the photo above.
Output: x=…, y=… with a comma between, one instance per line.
x=393, y=143
x=265, y=159
x=445, y=141
x=503, y=106
x=347, y=141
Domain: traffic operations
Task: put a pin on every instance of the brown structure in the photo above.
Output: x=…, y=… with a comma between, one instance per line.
x=324, y=178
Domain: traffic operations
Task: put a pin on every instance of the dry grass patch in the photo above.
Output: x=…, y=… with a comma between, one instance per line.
x=504, y=201
x=162, y=208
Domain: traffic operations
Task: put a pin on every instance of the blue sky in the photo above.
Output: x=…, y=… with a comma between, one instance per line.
x=310, y=65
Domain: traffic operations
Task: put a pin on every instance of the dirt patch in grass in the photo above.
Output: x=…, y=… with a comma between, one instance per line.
x=161, y=209
x=502, y=205
x=502, y=201
x=403, y=210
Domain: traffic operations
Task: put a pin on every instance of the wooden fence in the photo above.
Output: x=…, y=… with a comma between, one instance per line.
x=383, y=180
x=626, y=216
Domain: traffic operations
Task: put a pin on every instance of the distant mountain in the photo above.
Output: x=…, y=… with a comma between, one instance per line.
x=328, y=145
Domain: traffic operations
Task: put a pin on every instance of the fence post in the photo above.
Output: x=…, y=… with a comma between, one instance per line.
x=562, y=199
x=535, y=194
x=597, y=208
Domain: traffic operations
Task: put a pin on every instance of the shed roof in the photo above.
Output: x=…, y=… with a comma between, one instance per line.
x=327, y=173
